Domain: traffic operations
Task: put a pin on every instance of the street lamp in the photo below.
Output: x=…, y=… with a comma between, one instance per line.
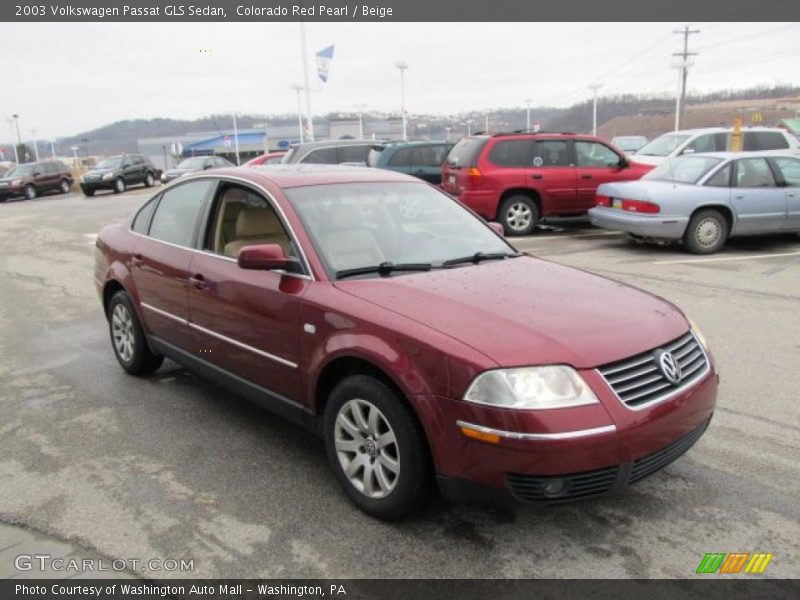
x=447, y=133
x=528, y=113
x=468, y=123
x=298, y=88
x=594, y=87
x=11, y=125
x=35, y=145
x=402, y=65
x=360, y=108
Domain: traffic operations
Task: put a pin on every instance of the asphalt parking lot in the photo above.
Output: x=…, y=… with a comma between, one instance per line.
x=173, y=467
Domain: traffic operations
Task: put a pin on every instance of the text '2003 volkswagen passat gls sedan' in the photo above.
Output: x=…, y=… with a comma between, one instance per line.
x=381, y=313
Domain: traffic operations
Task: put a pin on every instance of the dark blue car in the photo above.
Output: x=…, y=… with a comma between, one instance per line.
x=421, y=159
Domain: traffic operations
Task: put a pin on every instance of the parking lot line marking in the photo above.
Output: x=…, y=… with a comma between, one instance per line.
x=577, y=235
x=724, y=258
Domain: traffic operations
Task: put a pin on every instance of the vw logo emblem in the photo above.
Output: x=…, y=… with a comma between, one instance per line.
x=669, y=366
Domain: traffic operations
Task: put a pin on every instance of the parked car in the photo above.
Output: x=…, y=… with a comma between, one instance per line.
x=31, y=179
x=520, y=178
x=194, y=164
x=714, y=139
x=629, y=143
x=421, y=159
x=117, y=173
x=310, y=291
x=329, y=152
x=271, y=158
x=703, y=199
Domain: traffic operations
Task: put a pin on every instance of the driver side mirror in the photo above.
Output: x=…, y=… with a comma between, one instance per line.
x=623, y=163
x=687, y=151
x=266, y=257
x=497, y=228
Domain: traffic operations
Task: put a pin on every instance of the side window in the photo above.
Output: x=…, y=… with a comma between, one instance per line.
x=321, y=156
x=550, y=153
x=402, y=158
x=175, y=219
x=789, y=169
x=721, y=178
x=356, y=154
x=510, y=153
x=765, y=140
x=594, y=154
x=753, y=173
x=243, y=218
x=437, y=155
x=142, y=219
x=711, y=142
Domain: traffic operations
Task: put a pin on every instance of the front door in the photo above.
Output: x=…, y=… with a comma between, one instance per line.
x=596, y=164
x=759, y=203
x=247, y=322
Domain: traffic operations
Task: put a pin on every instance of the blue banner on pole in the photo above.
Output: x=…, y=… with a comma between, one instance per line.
x=324, y=58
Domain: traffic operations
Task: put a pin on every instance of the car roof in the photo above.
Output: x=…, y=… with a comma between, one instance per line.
x=721, y=130
x=326, y=143
x=302, y=174
x=749, y=154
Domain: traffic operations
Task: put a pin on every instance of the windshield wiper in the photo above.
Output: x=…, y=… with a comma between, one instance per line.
x=479, y=256
x=384, y=269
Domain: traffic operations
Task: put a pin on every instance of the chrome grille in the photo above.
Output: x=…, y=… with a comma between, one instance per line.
x=639, y=382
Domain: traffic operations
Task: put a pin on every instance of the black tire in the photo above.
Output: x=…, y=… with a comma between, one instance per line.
x=518, y=215
x=706, y=233
x=65, y=187
x=88, y=192
x=149, y=180
x=411, y=484
x=140, y=361
x=30, y=192
x=119, y=185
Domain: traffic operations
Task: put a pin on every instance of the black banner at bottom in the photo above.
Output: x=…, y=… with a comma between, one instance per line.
x=398, y=589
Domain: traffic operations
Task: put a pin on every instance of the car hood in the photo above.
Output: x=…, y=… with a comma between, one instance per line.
x=179, y=172
x=645, y=159
x=527, y=311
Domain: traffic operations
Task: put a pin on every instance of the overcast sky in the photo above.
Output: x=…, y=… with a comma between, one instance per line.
x=66, y=78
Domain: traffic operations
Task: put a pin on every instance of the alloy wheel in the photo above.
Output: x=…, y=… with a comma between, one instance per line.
x=122, y=332
x=518, y=216
x=367, y=448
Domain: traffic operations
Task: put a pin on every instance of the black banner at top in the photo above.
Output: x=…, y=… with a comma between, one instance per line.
x=397, y=10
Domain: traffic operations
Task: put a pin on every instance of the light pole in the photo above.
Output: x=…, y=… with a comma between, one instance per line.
x=360, y=108
x=403, y=65
x=19, y=137
x=447, y=133
x=307, y=85
x=594, y=87
x=528, y=113
x=297, y=88
x=468, y=123
x=236, y=139
x=486, y=124
x=35, y=145
x=11, y=125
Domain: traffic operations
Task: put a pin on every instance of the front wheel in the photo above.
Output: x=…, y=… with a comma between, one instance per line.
x=119, y=185
x=65, y=186
x=30, y=192
x=518, y=214
x=706, y=233
x=149, y=180
x=88, y=192
x=128, y=339
x=376, y=448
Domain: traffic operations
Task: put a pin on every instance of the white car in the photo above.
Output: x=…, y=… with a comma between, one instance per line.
x=714, y=139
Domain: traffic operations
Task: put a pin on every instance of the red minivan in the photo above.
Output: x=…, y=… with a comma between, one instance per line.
x=519, y=178
x=377, y=311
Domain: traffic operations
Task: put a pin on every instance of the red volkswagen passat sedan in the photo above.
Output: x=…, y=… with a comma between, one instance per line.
x=376, y=310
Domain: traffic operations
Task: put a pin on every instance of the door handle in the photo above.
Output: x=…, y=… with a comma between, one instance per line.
x=137, y=260
x=198, y=282
x=586, y=176
x=740, y=196
x=537, y=176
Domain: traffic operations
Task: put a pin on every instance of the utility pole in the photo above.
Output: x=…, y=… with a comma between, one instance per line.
x=35, y=145
x=594, y=87
x=298, y=88
x=403, y=65
x=528, y=113
x=680, y=105
x=306, y=82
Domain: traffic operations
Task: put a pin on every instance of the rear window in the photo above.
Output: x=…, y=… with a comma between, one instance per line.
x=353, y=154
x=765, y=140
x=465, y=153
x=684, y=169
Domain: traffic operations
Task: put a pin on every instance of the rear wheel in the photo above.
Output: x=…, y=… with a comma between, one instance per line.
x=706, y=233
x=149, y=180
x=376, y=448
x=30, y=192
x=65, y=187
x=88, y=192
x=128, y=339
x=119, y=185
x=518, y=214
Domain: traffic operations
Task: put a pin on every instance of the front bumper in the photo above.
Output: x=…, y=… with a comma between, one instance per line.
x=97, y=185
x=592, y=449
x=11, y=192
x=650, y=226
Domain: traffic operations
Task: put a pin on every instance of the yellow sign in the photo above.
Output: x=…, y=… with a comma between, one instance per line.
x=736, y=137
x=757, y=117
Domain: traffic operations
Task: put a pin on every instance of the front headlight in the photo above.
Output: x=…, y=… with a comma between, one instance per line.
x=16, y=182
x=531, y=388
x=698, y=333
x=108, y=176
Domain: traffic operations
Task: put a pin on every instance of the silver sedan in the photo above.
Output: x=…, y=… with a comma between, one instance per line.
x=703, y=199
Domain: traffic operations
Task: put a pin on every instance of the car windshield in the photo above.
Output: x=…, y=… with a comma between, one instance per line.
x=192, y=163
x=684, y=169
x=628, y=143
x=663, y=145
x=19, y=171
x=358, y=226
x=110, y=163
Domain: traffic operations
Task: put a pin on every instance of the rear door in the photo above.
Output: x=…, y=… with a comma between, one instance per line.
x=161, y=258
x=759, y=203
x=426, y=162
x=400, y=160
x=550, y=170
x=788, y=171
